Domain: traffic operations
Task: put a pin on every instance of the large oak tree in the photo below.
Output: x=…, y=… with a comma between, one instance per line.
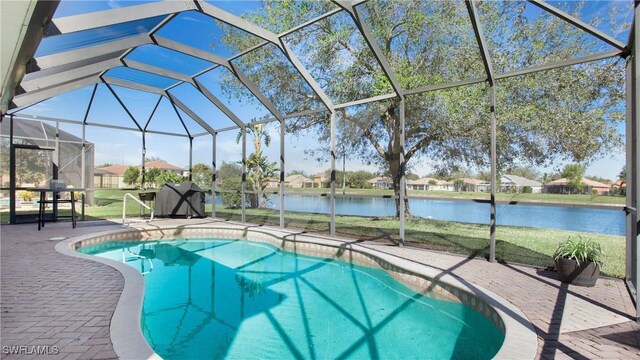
x=570, y=114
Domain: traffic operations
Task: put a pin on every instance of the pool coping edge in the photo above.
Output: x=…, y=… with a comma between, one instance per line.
x=124, y=328
x=129, y=343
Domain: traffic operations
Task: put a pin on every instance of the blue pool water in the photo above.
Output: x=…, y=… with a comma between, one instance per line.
x=602, y=221
x=213, y=299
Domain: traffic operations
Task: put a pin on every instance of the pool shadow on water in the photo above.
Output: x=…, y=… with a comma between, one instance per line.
x=180, y=315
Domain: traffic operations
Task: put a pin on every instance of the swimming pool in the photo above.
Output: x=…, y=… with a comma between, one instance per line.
x=217, y=298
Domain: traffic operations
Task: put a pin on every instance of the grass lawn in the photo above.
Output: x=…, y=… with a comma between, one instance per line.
x=530, y=246
x=522, y=245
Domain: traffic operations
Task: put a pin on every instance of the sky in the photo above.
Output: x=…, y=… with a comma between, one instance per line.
x=118, y=146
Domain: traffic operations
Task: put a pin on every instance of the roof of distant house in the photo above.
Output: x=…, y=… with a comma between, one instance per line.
x=378, y=179
x=159, y=164
x=296, y=177
x=518, y=181
x=426, y=180
x=587, y=182
x=113, y=169
x=473, y=181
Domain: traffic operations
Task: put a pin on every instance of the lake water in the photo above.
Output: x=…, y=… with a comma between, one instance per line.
x=602, y=221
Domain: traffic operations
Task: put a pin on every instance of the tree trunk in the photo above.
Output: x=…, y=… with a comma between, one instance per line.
x=397, y=171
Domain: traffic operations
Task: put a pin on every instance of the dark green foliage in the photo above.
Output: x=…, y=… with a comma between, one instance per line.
x=570, y=114
x=232, y=200
x=229, y=170
x=131, y=175
x=527, y=190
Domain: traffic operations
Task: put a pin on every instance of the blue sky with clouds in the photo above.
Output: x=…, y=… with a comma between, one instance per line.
x=114, y=146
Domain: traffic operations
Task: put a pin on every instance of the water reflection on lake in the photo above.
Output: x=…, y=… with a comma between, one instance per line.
x=565, y=218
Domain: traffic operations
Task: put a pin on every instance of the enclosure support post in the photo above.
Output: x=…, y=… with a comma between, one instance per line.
x=332, y=199
x=402, y=194
x=214, y=175
x=56, y=168
x=281, y=196
x=144, y=155
x=494, y=172
x=190, y=158
x=83, y=166
x=634, y=98
x=244, y=175
x=12, y=174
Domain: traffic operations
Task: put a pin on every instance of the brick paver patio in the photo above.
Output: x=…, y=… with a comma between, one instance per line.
x=51, y=299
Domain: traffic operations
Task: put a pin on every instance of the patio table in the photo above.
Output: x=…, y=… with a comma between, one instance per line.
x=55, y=201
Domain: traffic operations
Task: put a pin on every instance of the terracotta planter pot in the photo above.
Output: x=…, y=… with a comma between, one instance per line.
x=585, y=274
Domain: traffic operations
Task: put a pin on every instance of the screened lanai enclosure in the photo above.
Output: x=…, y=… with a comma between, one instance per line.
x=294, y=99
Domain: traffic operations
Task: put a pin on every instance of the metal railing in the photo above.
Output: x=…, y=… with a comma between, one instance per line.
x=124, y=207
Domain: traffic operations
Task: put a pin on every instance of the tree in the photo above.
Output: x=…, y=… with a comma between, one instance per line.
x=622, y=176
x=432, y=183
x=150, y=177
x=358, y=179
x=537, y=113
x=574, y=174
x=231, y=200
x=131, y=175
x=458, y=184
x=201, y=174
x=259, y=169
x=32, y=166
x=229, y=170
x=168, y=177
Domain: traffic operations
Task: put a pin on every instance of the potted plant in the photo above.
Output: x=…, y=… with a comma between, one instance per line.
x=578, y=261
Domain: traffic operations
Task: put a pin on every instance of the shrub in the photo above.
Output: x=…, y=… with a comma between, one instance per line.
x=527, y=190
x=579, y=249
x=25, y=195
x=231, y=200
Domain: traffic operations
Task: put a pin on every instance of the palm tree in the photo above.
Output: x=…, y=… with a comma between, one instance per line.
x=259, y=170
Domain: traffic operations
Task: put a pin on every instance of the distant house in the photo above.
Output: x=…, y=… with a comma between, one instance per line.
x=381, y=182
x=471, y=184
x=273, y=182
x=298, y=181
x=424, y=184
x=112, y=176
x=618, y=185
x=159, y=164
x=561, y=186
x=509, y=182
x=320, y=180
x=109, y=177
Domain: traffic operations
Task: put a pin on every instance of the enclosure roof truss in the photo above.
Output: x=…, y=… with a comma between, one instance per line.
x=73, y=69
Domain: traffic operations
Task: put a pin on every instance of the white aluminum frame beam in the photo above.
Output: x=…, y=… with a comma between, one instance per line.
x=133, y=85
x=189, y=112
x=34, y=83
x=74, y=23
x=188, y=50
x=236, y=21
x=34, y=75
x=46, y=93
x=215, y=101
x=578, y=23
x=63, y=58
x=156, y=70
x=350, y=7
x=269, y=36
